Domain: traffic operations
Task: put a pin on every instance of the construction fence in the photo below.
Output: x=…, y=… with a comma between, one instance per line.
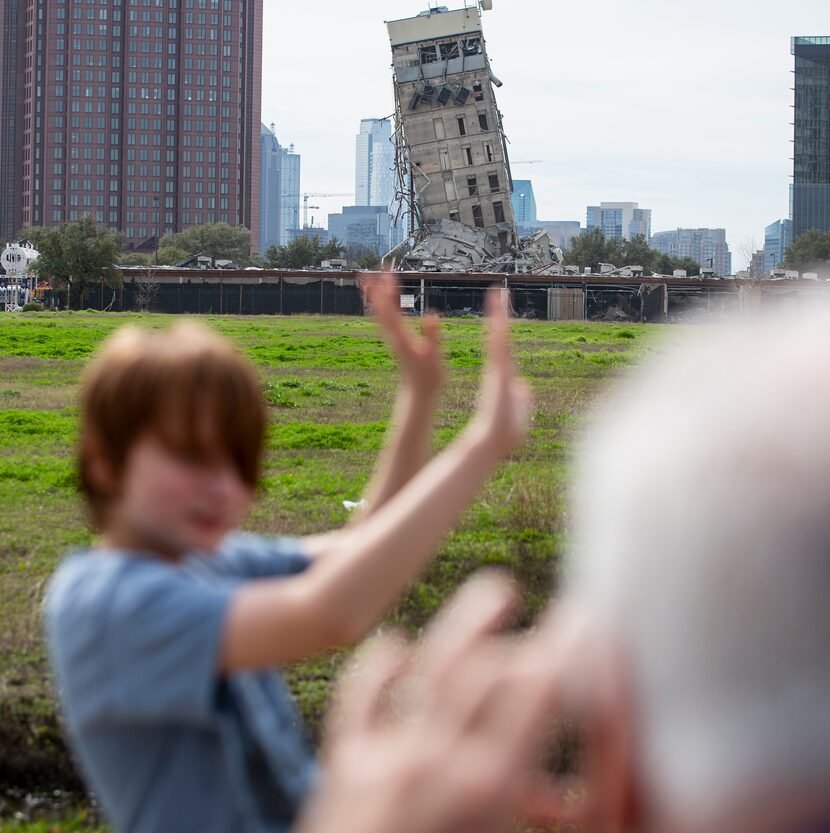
x=243, y=292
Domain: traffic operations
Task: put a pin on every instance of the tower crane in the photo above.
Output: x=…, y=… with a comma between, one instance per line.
x=306, y=206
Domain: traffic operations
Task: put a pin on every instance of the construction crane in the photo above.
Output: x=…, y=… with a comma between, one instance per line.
x=306, y=206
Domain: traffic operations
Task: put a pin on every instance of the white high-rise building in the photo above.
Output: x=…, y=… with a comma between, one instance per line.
x=620, y=220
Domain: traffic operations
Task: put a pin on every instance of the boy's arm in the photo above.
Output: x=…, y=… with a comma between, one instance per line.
x=340, y=598
x=408, y=443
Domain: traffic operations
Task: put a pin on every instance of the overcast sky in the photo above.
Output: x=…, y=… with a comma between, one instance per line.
x=682, y=107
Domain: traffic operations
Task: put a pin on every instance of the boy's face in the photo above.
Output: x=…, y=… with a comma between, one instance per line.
x=173, y=505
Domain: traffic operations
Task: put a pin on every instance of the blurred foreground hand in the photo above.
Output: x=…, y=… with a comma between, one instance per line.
x=442, y=736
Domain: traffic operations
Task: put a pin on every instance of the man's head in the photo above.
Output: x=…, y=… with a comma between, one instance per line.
x=702, y=572
x=172, y=429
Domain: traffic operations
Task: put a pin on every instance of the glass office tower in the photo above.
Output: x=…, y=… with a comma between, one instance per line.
x=810, y=190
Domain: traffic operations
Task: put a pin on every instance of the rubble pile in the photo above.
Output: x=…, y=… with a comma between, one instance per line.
x=449, y=246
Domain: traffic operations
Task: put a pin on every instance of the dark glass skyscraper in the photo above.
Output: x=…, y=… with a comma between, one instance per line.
x=143, y=113
x=810, y=191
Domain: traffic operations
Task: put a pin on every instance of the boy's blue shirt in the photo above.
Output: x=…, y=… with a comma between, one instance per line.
x=166, y=743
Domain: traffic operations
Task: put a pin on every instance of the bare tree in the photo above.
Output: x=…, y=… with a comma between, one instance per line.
x=147, y=288
x=747, y=251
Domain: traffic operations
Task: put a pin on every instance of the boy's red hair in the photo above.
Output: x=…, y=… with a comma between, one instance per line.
x=185, y=385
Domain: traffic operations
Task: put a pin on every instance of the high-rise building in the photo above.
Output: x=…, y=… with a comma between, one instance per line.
x=270, y=190
x=290, y=209
x=375, y=175
x=279, y=191
x=368, y=226
x=707, y=246
x=524, y=203
x=147, y=118
x=561, y=232
x=620, y=220
x=451, y=132
x=778, y=236
x=810, y=190
x=12, y=40
x=375, y=163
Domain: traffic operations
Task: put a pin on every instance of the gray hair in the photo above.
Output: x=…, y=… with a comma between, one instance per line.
x=702, y=542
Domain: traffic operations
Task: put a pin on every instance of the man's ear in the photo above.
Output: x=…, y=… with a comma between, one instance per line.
x=618, y=787
x=605, y=793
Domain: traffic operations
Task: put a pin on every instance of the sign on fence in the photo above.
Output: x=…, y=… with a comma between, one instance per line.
x=407, y=302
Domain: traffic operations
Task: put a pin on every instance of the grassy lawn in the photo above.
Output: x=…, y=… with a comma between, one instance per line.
x=330, y=384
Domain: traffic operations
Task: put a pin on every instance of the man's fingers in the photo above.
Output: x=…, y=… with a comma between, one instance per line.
x=359, y=699
x=482, y=606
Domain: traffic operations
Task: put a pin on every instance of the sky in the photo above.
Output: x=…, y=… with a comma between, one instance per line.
x=685, y=108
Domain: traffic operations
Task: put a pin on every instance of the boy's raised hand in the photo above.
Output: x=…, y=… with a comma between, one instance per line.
x=419, y=356
x=505, y=400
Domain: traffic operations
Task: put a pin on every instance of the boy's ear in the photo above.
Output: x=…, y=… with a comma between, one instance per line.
x=99, y=470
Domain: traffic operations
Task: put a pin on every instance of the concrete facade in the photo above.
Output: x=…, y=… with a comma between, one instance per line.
x=148, y=119
x=452, y=152
x=620, y=220
x=707, y=246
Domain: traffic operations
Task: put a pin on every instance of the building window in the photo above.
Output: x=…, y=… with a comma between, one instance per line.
x=482, y=122
x=494, y=184
x=478, y=218
x=462, y=128
x=478, y=93
x=429, y=54
x=488, y=151
x=472, y=186
x=498, y=210
x=468, y=155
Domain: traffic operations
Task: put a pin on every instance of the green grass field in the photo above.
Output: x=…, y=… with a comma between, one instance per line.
x=330, y=384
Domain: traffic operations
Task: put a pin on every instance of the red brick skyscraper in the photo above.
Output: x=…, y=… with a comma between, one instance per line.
x=143, y=113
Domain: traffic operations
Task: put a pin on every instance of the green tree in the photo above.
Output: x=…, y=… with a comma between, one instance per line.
x=75, y=256
x=302, y=253
x=332, y=250
x=134, y=259
x=219, y=241
x=170, y=255
x=588, y=250
x=637, y=252
x=810, y=249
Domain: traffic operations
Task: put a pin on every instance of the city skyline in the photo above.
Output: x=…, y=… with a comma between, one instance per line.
x=701, y=138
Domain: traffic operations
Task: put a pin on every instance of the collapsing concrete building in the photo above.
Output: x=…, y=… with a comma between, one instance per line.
x=452, y=162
